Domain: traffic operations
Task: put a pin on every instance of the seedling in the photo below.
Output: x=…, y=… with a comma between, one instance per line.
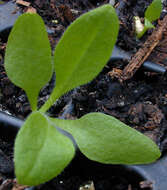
x=41, y=152
x=152, y=13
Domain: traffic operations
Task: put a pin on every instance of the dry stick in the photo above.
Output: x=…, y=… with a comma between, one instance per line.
x=138, y=59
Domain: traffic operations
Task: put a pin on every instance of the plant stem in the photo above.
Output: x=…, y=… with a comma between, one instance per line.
x=139, y=35
x=52, y=99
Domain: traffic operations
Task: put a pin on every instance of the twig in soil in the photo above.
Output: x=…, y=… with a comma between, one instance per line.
x=7, y=184
x=142, y=54
x=31, y=10
x=18, y=187
x=24, y=3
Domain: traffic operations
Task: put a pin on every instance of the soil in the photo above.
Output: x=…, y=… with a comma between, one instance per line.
x=139, y=102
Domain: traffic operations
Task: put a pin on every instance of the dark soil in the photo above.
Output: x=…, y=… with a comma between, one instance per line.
x=103, y=176
x=139, y=102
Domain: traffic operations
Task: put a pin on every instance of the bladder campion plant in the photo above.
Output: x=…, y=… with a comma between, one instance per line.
x=152, y=13
x=41, y=152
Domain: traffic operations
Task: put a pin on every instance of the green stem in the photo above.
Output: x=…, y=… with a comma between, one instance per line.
x=52, y=99
x=32, y=97
x=139, y=35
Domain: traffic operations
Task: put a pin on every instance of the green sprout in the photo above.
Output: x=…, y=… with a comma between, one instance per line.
x=41, y=151
x=151, y=14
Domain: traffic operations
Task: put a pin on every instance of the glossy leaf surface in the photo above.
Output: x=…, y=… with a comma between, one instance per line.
x=84, y=49
x=41, y=152
x=153, y=11
x=28, y=56
x=105, y=139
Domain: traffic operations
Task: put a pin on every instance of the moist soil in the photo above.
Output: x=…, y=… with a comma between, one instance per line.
x=139, y=102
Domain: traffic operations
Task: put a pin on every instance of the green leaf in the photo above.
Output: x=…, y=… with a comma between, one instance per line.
x=28, y=56
x=148, y=24
x=154, y=10
x=41, y=152
x=83, y=50
x=105, y=139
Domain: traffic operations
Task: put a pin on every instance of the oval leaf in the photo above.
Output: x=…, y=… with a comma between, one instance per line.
x=84, y=49
x=28, y=56
x=105, y=139
x=41, y=152
x=153, y=12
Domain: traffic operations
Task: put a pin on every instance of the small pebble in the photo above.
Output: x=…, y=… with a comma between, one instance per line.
x=88, y=186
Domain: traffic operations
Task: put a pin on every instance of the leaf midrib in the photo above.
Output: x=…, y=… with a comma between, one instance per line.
x=30, y=171
x=61, y=87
